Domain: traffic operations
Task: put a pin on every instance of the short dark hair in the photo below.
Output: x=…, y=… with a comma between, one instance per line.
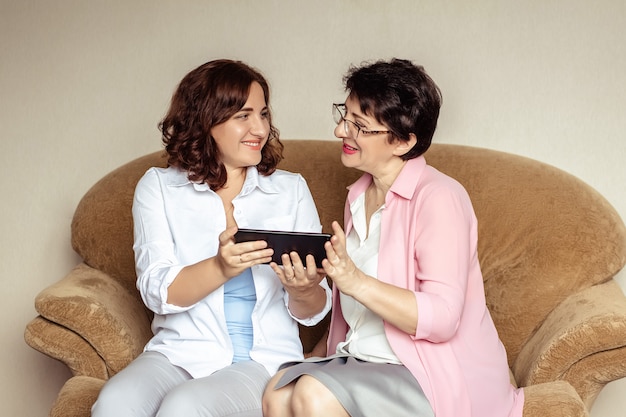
x=400, y=95
x=207, y=96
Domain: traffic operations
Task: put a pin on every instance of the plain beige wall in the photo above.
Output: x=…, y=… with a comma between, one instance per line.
x=83, y=85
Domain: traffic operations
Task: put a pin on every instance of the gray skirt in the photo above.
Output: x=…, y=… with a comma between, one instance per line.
x=364, y=389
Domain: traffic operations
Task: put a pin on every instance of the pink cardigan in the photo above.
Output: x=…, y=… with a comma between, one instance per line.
x=428, y=244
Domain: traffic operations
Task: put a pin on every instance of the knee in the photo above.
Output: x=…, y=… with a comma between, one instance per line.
x=302, y=404
x=113, y=399
x=274, y=402
x=180, y=402
x=311, y=398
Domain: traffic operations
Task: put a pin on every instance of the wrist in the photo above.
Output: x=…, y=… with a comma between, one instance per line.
x=216, y=269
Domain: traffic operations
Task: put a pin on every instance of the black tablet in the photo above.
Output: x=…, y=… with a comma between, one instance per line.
x=284, y=242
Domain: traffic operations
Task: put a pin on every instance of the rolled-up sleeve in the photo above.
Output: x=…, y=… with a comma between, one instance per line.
x=443, y=251
x=155, y=261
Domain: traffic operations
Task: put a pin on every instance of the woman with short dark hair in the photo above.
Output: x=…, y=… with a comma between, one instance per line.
x=410, y=333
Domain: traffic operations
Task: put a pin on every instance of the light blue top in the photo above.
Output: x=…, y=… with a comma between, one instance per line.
x=239, y=300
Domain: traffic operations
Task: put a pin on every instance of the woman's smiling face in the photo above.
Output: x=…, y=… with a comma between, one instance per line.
x=241, y=138
x=365, y=152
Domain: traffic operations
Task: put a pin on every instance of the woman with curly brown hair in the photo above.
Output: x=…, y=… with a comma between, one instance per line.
x=217, y=304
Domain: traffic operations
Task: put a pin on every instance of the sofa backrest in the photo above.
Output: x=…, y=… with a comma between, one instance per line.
x=543, y=234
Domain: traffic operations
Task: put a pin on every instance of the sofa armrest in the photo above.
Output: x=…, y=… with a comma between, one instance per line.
x=586, y=331
x=65, y=345
x=555, y=399
x=99, y=310
x=76, y=397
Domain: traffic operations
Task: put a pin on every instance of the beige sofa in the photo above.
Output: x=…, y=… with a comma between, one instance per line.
x=549, y=246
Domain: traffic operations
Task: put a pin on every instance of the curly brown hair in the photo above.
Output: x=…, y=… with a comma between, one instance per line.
x=207, y=96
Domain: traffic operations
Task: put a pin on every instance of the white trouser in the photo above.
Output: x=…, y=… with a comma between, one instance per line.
x=151, y=386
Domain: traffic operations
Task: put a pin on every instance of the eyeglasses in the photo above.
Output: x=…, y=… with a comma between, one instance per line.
x=351, y=129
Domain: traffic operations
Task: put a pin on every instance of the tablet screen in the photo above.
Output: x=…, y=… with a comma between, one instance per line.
x=284, y=242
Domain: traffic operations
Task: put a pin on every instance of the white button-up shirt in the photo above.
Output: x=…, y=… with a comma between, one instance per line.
x=366, y=337
x=177, y=223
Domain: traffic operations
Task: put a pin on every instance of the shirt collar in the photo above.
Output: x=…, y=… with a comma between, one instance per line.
x=253, y=180
x=256, y=180
x=404, y=185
